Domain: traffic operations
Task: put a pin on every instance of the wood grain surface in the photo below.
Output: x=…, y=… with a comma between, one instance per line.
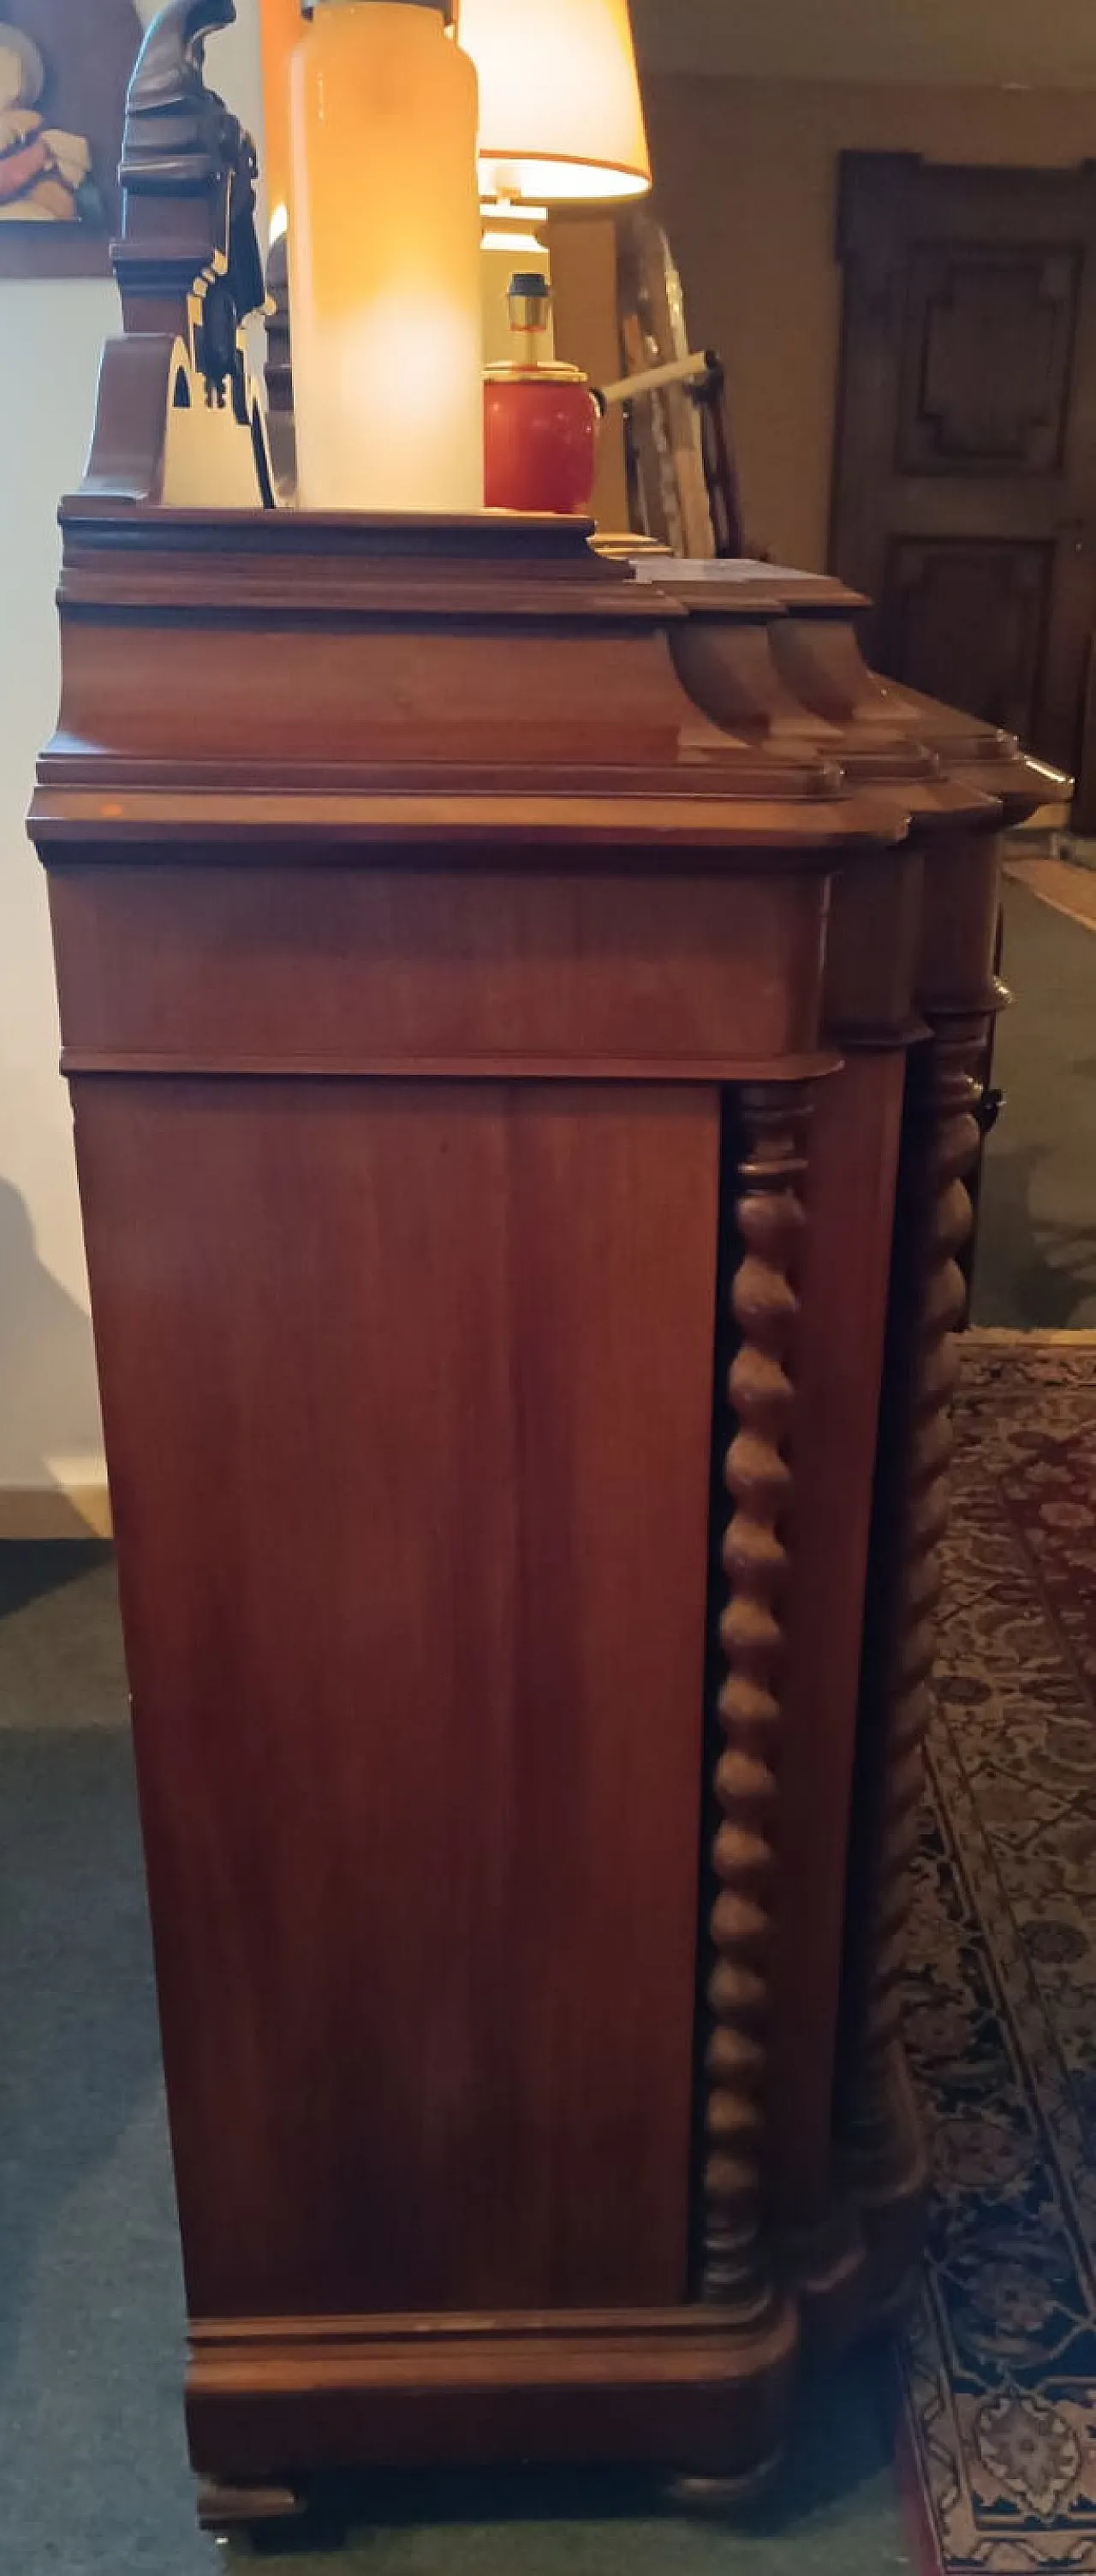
x=415, y=1623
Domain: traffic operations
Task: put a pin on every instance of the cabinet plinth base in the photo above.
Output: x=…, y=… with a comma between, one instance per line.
x=689, y=2391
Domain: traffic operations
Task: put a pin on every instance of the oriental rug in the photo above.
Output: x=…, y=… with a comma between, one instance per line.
x=999, y=2360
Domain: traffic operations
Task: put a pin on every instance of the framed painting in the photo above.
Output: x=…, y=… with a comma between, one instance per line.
x=64, y=72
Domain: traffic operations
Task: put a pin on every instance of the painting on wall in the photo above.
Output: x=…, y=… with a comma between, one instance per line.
x=64, y=72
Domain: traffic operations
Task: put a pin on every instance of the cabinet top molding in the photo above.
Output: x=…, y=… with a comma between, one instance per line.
x=479, y=685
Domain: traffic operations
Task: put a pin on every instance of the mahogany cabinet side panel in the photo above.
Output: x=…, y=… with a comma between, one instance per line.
x=408, y=1394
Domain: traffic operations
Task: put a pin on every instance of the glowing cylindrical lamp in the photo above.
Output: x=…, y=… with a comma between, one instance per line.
x=281, y=26
x=384, y=262
x=561, y=118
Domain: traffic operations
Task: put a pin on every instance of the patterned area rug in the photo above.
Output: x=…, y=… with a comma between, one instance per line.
x=1000, y=2360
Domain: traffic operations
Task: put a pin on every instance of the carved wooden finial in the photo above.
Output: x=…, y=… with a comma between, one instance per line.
x=169, y=67
x=175, y=391
x=187, y=159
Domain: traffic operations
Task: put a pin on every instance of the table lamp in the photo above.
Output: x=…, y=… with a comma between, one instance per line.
x=561, y=124
x=384, y=260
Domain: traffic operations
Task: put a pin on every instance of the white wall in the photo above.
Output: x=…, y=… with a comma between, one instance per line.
x=51, y=334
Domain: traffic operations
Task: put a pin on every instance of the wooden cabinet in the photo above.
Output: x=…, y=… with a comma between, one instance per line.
x=444, y=1108
x=521, y=1025
x=489, y=1165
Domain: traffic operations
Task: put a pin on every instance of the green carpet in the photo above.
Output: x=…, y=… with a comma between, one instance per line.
x=93, y=2478
x=1036, y=1259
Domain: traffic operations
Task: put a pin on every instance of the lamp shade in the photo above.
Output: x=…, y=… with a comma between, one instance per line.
x=561, y=118
x=384, y=262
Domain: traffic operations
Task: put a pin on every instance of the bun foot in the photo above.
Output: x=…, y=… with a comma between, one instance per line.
x=234, y=2512
x=717, y=2497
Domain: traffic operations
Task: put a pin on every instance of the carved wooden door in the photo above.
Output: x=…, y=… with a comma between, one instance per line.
x=964, y=498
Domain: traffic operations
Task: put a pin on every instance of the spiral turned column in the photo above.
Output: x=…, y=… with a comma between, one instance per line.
x=940, y=1151
x=770, y=1222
